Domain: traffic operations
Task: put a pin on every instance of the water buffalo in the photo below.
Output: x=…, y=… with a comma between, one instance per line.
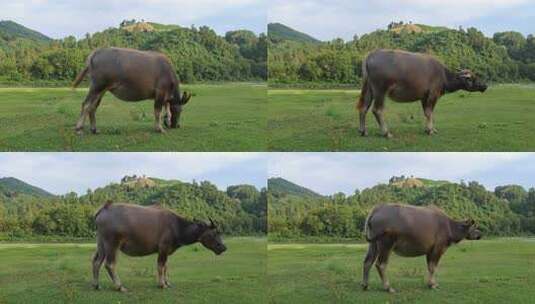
x=408, y=77
x=140, y=231
x=411, y=231
x=132, y=75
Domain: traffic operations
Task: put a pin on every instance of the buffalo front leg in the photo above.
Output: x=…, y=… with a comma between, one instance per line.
x=428, y=107
x=158, y=117
x=378, y=112
x=110, y=267
x=432, y=264
x=162, y=260
x=367, y=265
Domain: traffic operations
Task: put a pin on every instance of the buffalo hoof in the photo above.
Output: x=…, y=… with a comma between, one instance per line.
x=79, y=131
x=364, y=286
x=390, y=290
x=364, y=133
x=95, y=131
x=432, y=286
x=388, y=135
x=160, y=130
x=163, y=286
x=431, y=131
x=122, y=289
x=97, y=287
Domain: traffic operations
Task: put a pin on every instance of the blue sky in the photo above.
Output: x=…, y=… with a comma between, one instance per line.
x=328, y=173
x=328, y=19
x=60, y=173
x=60, y=18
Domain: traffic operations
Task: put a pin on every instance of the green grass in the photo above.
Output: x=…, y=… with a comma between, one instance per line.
x=228, y=117
x=60, y=273
x=501, y=119
x=487, y=271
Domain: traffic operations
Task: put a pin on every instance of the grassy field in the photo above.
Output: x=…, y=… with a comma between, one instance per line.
x=60, y=273
x=501, y=119
x=487, y=271
x=230, y=117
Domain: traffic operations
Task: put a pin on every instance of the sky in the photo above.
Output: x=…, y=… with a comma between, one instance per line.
x=329, y=19
x=61, y=18
x=328, y=173
x=60, y=173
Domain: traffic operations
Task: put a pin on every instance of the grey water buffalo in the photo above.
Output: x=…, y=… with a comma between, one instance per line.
x=408, y=77
x=141, y=231
x=411, y=231
x=132, y=75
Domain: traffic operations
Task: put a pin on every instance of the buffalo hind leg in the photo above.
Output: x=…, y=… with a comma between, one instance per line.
x=370, y=258
x=89, y=103
x=384, y=248
x=111, y=261
x=98, y=258
x=162, y=265
x=378, y=112
x=428, y=105
x=92, y=114
x=363, y=105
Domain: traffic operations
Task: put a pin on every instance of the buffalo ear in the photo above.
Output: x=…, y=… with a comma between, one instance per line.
x=212, y=224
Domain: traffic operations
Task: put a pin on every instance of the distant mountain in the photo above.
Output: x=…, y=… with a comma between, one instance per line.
x=10, y=30
x=415, y=182
x=10, y=186
x=283, y=186
x=279, y=32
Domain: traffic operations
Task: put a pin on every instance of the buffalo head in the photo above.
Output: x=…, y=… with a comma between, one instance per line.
x=470, y=82
x=211, y=238
x=469, y=227
x=175, y=107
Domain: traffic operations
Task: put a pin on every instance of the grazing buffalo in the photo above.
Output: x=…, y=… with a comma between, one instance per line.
x=132, y=75
x=408, y=77
x=411, y=231
x=140, y=231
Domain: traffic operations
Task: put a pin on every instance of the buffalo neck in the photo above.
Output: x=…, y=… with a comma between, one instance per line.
x=188, y=232
x=452, y=83
x=456, y=232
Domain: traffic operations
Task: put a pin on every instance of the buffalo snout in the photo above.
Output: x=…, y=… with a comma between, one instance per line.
x=474, y=235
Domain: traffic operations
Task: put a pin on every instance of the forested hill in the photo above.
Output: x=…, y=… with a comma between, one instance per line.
x=506, y=57
x=506, y=211
x=10, y=30
x=239, y=210
x=281, y=186
x=280, y=32
x=198, y=54
x=11, y=187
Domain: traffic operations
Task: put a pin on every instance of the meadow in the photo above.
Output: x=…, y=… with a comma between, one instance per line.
x=486, y=271
x=501, y=119
x=61, y=273
x=223, y=117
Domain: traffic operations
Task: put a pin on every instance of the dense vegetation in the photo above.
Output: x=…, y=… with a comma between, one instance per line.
x=507, y=57
x=240, y=210
x=509, y=210
x=198, y=54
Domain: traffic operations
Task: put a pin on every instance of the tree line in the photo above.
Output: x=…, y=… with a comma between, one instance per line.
x=506, y=211
x=198, y=54
x=504, y=58
x=240, y=210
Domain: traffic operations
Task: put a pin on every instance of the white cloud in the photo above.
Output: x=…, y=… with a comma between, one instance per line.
x=333, y=172
x=343, y=18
